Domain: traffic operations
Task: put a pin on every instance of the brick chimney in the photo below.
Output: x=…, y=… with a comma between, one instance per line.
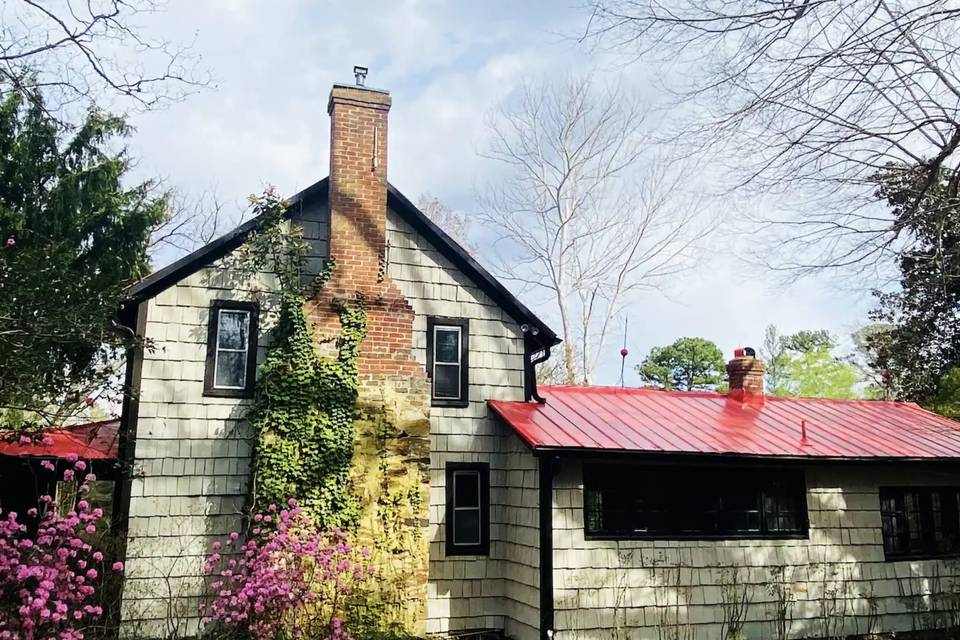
x=391, y=454
x=358, y=185
x=745, y=373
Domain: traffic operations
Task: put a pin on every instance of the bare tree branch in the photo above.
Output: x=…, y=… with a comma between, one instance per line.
x=575, y=216
x=82, y=53
x=808, y=99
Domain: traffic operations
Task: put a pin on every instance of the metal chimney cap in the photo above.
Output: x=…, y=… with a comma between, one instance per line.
x=360, y=73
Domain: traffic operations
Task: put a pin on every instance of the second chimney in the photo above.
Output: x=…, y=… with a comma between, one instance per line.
x=745, y=373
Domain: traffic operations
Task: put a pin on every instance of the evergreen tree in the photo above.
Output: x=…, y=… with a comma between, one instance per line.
x=687, y=364
x=72, y=236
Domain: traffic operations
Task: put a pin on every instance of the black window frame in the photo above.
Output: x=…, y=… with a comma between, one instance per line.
x=464, y=325
x=482, y=469
x=209, y=374
x=629, y=479
x=928, y=534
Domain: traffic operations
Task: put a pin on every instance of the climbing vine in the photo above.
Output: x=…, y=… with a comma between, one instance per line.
x=303, y=408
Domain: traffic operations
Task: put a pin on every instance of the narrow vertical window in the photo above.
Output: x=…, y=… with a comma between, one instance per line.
x=448, y=361
x=468, y=509
x=231, y=349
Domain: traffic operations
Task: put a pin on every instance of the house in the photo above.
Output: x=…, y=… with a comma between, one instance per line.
x=559, y=512
x=24, y=479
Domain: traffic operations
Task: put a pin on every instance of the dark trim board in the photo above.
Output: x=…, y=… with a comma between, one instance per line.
x=536, y=330
x=548, y=467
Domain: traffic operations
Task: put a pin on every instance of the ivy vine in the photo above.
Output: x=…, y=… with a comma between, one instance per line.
x=302, y=415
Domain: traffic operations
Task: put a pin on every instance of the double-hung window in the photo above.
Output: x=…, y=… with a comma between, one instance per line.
x=231, y=349
x=468, y=508
x=920, y=522
x=448, y=361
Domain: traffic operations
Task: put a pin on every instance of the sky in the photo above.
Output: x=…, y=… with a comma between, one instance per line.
x=263, y=121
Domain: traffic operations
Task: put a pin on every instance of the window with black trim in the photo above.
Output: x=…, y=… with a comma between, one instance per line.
x=920, y=522
x=231, y=349
x=646, y=501
x=448, y=361
x=468, y=508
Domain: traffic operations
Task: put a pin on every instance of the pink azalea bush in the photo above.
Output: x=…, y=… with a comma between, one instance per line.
x=48, y=583
x=287, y=580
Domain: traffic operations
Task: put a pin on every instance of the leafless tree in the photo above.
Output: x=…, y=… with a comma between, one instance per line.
x=575, y=215
x=809, y=98
x=455, y=223
x=82, y=52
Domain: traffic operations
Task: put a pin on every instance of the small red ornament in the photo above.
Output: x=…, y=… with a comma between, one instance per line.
x=88, y=401
x=624, y=352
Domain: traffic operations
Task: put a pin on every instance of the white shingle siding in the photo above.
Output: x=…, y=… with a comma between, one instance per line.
x=192, y=452
x=470, y=592
x=606, y=588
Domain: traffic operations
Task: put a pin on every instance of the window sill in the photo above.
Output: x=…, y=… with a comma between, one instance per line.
x=717, y=537
x=455, y=404
x=908, y=557
x=228, y=393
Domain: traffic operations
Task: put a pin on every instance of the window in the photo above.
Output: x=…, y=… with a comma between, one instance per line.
x=231, y=349
x=468, y=509
x=447, y=361
x=920, y=521
x=633, y=501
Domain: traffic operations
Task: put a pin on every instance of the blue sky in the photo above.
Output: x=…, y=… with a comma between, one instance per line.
x=446, y=65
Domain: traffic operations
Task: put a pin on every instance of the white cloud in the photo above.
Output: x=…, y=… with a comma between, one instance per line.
x=446, y=65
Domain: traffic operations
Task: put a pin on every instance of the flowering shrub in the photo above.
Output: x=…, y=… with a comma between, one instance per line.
x=288, y=579
x=48, y=583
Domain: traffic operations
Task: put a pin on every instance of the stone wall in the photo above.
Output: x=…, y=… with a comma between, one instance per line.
x=838, y=578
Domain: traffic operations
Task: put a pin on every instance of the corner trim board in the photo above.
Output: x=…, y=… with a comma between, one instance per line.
x=546, y=471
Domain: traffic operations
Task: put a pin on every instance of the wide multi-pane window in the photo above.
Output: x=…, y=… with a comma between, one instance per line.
x=468, y=509
x=231, y=348
x=920, y=521
x=448, y=360
x=645, y=501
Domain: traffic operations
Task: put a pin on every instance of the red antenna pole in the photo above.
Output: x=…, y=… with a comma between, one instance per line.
x=623, y=351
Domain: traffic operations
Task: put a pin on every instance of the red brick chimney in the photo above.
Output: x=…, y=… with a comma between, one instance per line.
x=358, y=186
x=358, y=232
x=745, y=373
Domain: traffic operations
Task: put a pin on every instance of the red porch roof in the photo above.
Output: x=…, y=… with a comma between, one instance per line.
x=648, y=420
x=91, y=441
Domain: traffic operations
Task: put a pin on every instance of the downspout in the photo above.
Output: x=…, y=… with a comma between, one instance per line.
x=548, y=466
x=130, y=313
x=530, y=363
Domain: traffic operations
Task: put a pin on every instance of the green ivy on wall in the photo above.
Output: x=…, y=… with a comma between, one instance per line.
x=303, y=416
x=303, y=408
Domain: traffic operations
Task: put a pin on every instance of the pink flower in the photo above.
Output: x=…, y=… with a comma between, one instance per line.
x=68, y=474
x=47, y=441
x=117, y=566
x=11, y=241
x=46, y=464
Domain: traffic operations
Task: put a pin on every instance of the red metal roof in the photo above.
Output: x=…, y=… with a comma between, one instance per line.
x=648, y=420
x=91, y=441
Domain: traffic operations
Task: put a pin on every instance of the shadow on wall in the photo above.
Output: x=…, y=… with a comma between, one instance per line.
x=831, y=586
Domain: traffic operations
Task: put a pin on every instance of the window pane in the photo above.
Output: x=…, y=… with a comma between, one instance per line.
x=466, y=526
x=446, y=381
x=446, y=346
x=466, y=489
x=231, y=369
x=234, y=328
